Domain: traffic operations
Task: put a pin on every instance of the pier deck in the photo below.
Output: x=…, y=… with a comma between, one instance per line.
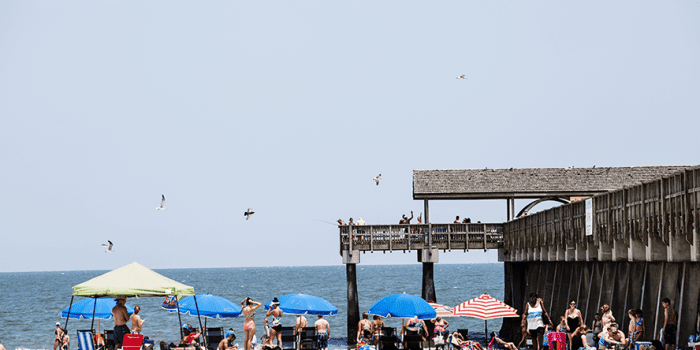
x=420, y=236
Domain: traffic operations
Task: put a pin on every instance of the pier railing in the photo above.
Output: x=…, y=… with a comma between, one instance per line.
x=663, y=209
x=420, y=236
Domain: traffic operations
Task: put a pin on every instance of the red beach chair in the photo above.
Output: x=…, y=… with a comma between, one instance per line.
x=132, y=342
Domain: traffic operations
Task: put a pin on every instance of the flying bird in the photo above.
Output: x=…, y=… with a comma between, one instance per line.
x=248, y=213
x=376, y=179
x=109, y=247
x=162, y=204
x=463, y=76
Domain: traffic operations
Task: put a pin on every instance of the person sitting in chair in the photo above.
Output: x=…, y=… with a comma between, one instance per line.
x=458, y=340
x=496, y=342
x=415, y=325
x=227, y=343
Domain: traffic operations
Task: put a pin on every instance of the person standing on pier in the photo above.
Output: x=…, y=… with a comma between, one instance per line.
x=670, y=326
x=536, y=315
x=406, y=220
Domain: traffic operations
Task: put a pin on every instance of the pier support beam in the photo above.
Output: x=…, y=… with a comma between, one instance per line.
x=353, y=304
x=428, y=257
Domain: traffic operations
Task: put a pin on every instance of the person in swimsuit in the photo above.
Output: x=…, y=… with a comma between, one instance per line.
x=670, y=327
x=632, y=332
x=59, y=335
x=523, y=330
x=578, y=338
x=276, y=313
x=227, y=343
x=415, y=325
x=496, y=342
x=611, y=337
x=597, y=326
x=323, y=332
x=300, y=323
x=440, y=326
x=640, y=327
x=574, y=319
x=534, y=310
x=363, y=325
x=377, y=331
x=607, y=316
x=249, y=307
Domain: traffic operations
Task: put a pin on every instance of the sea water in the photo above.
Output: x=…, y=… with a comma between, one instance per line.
x=30, y=302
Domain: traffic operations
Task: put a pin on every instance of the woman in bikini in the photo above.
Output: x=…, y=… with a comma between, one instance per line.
x=249, y=306
x=440, y=326
x=377, y=331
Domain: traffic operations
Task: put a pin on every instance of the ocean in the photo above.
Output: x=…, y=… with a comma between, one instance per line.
x=31, y=302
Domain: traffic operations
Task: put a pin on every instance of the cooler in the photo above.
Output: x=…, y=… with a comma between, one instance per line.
x=638, y=344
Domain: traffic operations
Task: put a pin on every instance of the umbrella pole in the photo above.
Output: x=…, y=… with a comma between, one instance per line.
x=486, y=329
x=177, y=303
x=69, y=307
x=200, y=320
x=92, y=325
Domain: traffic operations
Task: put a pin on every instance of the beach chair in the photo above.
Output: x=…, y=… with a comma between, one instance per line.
x=307, y=338
x=108, y=336
x=288, y=338
x=132, y=342
x=388, y=340
x=214, y=336
x=85, y=340
x=464, y=333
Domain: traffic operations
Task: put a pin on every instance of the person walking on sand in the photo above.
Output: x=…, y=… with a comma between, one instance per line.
x=534, y=314
x=249, y=306
x=136, y=321
x=276, y=313
x=670, y=319
x=121, y=317
x=323, y=332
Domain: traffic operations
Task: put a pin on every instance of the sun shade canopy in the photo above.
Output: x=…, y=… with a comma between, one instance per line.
x=132, y=280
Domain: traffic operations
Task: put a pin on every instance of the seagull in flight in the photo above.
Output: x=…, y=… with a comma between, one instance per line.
x=162, y=204
x=109, y=247
x=248, y=213
x=376, y=179
x=463, y=76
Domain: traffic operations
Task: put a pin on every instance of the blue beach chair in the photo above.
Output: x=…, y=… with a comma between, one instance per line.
x=85, y=340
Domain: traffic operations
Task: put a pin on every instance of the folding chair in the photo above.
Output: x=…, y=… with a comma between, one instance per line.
x=110, y=343
x=132, y=342
x=85, y=340
x=307, y=338
x=214, y=336
x=288, y=338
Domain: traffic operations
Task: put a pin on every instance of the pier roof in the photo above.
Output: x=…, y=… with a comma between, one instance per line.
x=531, y=182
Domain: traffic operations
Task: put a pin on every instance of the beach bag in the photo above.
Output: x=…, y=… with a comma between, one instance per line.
x=438, y=340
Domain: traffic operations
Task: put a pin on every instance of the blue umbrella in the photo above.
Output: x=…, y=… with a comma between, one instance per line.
x=210, y=306
x=103, y=309
x=402, y=305
x=302, y=304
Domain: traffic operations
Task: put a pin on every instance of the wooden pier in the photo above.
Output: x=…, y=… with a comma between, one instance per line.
x=626, y=237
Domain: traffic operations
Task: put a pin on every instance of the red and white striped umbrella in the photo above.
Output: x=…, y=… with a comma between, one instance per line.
x=442, y=310
x=485, y=308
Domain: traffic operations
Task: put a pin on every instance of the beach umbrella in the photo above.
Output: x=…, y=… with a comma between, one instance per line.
x=402, y=305
x=99, y=307
x=302, y=304
x=442, y=310
x=209, y=306
x=485, y=307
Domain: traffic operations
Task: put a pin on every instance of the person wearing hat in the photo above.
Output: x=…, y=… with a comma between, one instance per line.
x=121, y=317
x=225, y=344
x=59, y=335
x=276, y=314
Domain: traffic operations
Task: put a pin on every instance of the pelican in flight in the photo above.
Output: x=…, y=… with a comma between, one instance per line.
x=248, y=213
x=376, y=179
x=109, y=247
x=162, y=204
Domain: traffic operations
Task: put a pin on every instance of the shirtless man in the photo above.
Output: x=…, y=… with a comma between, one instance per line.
x=405, y=220
x=612, y=337
x=136, y=321
x=456, y=220
x=300, y=323
x=670, y=326
x=323, y=332
x=121, y=317
x=225, y=344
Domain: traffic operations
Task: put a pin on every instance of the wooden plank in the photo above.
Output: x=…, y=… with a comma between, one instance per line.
x=695, y=200
x=662, y=195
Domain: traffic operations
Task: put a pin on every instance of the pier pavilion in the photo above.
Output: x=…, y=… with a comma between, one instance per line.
x=631, y=243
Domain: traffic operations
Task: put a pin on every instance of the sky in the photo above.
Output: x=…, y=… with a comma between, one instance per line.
x=292, y=107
